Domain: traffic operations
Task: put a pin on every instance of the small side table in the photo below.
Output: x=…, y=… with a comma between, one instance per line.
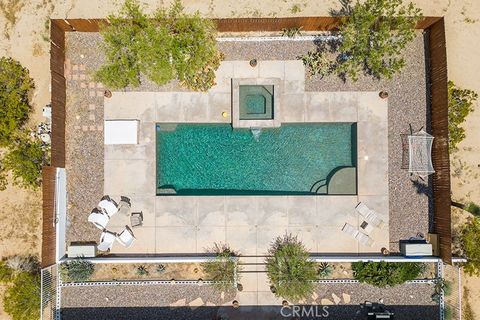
x=366, y=227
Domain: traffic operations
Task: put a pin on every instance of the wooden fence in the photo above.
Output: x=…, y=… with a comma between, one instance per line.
x=48, y=223
x=439, y=122
x=438, y=76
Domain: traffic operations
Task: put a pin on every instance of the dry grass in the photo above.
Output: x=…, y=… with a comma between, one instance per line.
x=10, y=9
x=37, y=49
x=467, y=311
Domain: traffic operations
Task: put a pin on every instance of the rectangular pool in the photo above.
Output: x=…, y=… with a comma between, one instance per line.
x=214, y=159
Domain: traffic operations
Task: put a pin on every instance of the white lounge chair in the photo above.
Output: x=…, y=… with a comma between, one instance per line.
x=359, y=236
x=108, y=206
x=106, y=240
x=126, y=237
x=99, y=219
x=369, y=215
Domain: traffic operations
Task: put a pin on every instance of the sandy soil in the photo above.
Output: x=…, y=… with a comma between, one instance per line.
x=24, y=36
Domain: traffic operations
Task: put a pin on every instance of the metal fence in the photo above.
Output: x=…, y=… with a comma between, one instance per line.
x=452, y=300
x=50, y=294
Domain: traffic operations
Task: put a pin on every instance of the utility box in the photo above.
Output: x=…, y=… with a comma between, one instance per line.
x=416, y=249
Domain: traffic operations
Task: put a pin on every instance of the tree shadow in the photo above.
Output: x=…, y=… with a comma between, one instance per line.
x=345, y=10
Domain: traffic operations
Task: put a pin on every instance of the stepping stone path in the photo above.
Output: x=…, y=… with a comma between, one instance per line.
x=346, y=297
x=196, y=303
x=179, y=303
x=314, y=296
x=336, y=298
x=326, y=302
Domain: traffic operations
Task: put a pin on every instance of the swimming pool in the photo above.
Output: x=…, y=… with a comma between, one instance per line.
x=214, y=159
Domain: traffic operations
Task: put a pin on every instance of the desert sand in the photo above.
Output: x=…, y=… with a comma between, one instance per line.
x=24, y=36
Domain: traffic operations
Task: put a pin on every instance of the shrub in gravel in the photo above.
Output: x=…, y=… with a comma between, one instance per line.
x=460, y=104
x=22, y=298
x=15, y=86
x=77, y=270
x=142, y=271
x=289, y=268
x=160, y=268
x=325, y=270
x=223, y=268
x=386, y=274
x=374, y=35
x=169, y=45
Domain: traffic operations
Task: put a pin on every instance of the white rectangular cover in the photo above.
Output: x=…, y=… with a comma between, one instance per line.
x=416, y=249
x=121, y=131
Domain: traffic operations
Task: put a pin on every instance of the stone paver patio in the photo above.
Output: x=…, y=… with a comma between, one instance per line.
x=190, y=224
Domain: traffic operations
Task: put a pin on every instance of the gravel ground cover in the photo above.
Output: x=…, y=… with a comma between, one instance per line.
x=410, y=199
x=408, y=301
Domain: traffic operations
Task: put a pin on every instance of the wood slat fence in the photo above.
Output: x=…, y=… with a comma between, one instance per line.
x=435, y=26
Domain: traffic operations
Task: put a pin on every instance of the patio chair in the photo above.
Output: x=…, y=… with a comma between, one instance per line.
x=98, y=218
x=126, y=237
x=136, y=219
x=124, y=206
x=369, y=215
x=106, y=240
x=359, y=236
x=108, y=206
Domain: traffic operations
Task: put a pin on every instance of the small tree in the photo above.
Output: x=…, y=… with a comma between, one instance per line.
x=22, y=299
x=374, y=36
x=24, y=159
x=172, y=44
x=460, y=104
x=289, y=268
x=77, y=270
x=471, y=248
x=386, y=274
x=223, y=268
x=15, y=86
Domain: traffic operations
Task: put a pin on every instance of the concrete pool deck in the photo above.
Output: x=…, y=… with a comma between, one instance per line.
x=190, y=224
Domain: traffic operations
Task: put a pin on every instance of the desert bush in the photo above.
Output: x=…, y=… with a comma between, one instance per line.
x=386, y=274
x=169, y=45
x=292, y=32
x=15, y=86
x=374, y=36
x=317, y=62
x=160, y=268
x=460, y=104
x=76, y=270
x=22, y=298
x=6, y=273
x=223, y=268
x=24, y=159
x=23, y=264
x=290, y=269
x=470, y=238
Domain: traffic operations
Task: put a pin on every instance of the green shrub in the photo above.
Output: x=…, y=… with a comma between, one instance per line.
x=471, y=248
x=171, y=45
x=290, y=269
x=460, y=104
x=77, y=270
x=22, y=299
x=473, y=208
x=24, y=159
x=15, y=86
x=6, y=273
x=223, y=268
x=386, y=274
x=317, y=62
x=374, y=36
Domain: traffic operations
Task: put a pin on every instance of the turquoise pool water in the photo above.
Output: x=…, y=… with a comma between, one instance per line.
x=216, y=159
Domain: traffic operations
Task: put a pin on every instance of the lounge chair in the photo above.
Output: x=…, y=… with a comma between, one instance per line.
x=124, y=206
x=108, y=206
x=106, y=240
x=359, y=236
x=126, y=237
x=369, y=215
x=99, y=219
